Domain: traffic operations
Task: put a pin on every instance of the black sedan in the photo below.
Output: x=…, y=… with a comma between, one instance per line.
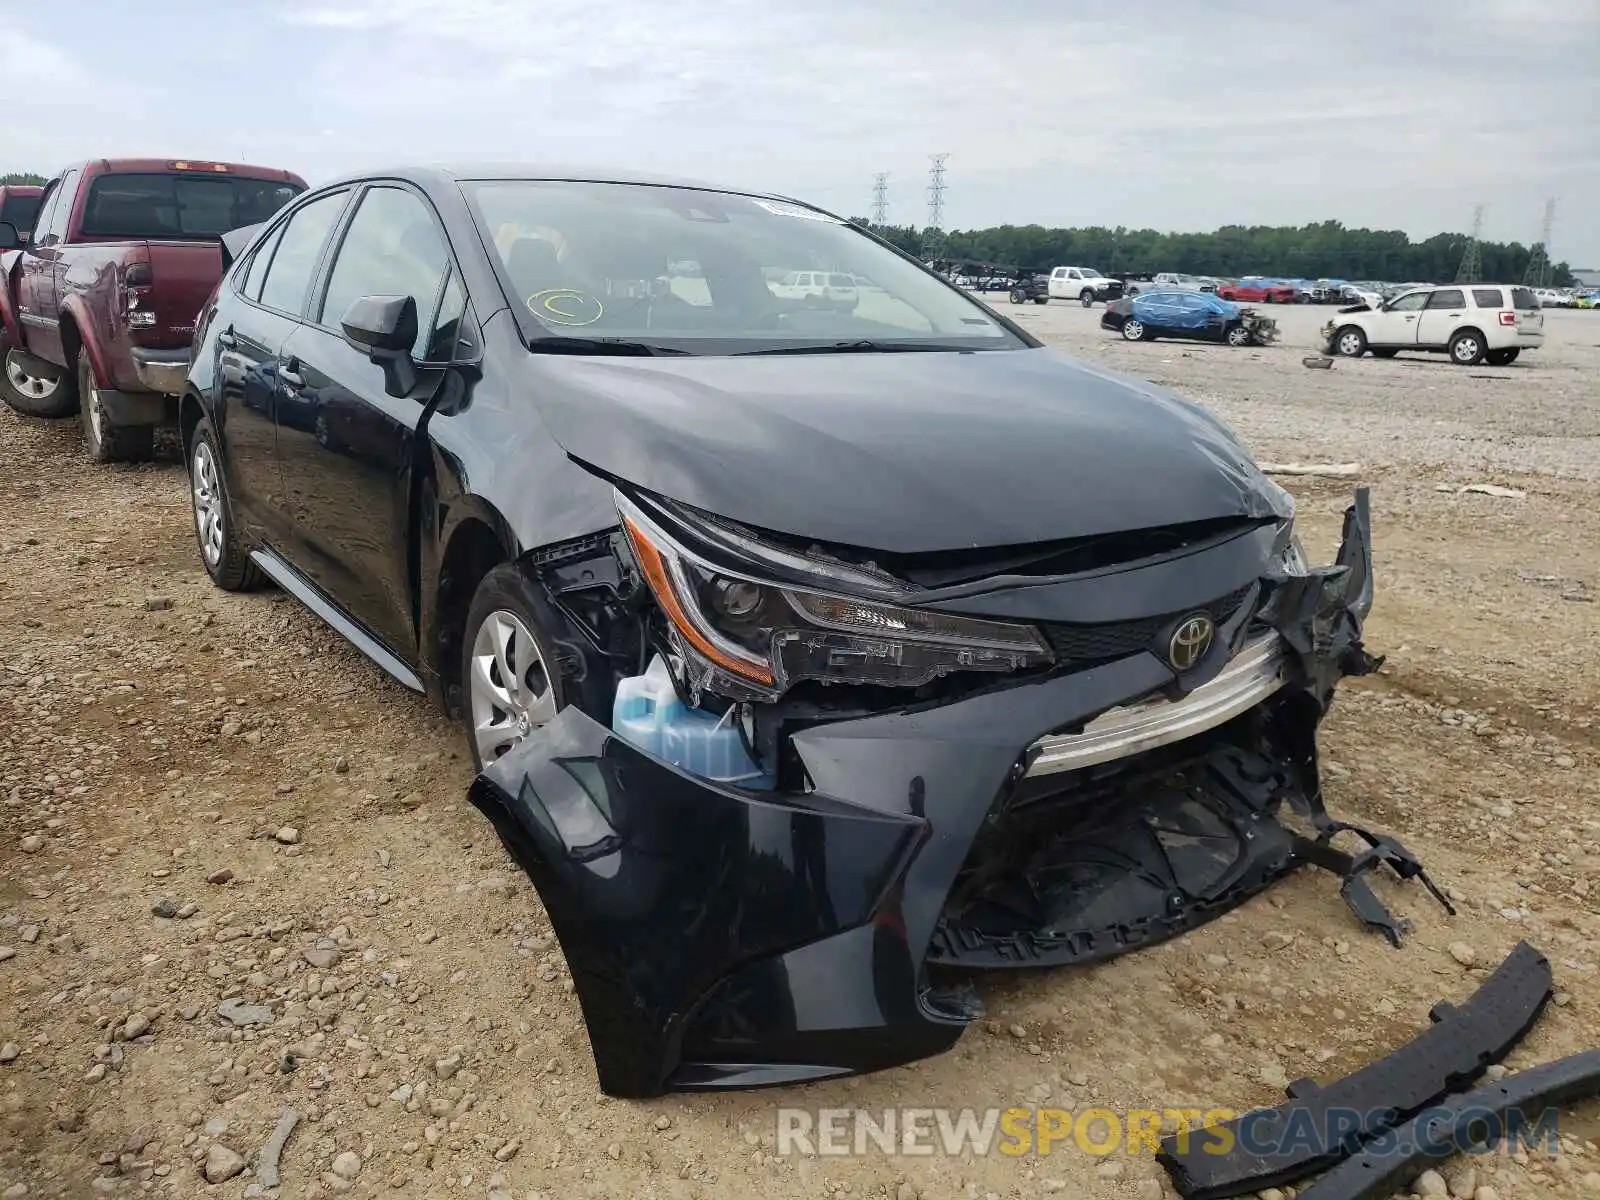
x=801, y=648
x=1196, y=315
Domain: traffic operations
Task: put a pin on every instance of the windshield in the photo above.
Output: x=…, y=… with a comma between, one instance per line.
x=168, y=207
x=706, y=272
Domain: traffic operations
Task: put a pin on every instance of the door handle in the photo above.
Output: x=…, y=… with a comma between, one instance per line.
x=226, y=340
x=290, y=374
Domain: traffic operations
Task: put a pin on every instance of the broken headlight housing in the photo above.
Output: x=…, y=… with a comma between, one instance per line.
x=747, y=637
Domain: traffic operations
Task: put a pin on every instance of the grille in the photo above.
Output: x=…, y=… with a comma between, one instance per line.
x=1118, y=639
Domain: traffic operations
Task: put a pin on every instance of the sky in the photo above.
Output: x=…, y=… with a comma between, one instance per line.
x=1171, y=114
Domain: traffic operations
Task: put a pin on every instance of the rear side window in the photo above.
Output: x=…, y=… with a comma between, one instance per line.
x=1447, y=298
x=179, y=205
x=1523, y=298
x=299, y=248
x=1487, y=297
x=259, y=262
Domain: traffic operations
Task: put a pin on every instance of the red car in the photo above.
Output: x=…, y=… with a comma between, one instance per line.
x=97, y=309
x=1259, y=293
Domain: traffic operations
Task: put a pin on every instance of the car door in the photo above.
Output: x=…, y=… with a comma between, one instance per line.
x=349, y=468
x=256, y=323
x=1396, y=325
x=1441, y=316
x=36, y=300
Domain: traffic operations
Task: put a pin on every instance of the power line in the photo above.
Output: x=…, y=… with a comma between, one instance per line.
x=1472, y=260
x=1538, y=272
x=880, y=198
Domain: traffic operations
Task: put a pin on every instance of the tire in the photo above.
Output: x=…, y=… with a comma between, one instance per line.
x=1350, y=342
x=1134, y=331
x=104, y=441
x=222, y=552
x=1502, y=358
x=1041, y=299
x=510, y=614
x=1384, y=353
x=1086, y=297
x=1238, y=335
x=1017, y=298
x=33, y=395
x=1466, y=348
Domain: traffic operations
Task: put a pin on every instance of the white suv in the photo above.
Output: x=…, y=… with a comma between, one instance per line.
x=818, y=289
x=1083, y=284
x=1471, y=322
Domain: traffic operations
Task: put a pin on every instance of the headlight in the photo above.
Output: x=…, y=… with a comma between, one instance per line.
x=754, y=637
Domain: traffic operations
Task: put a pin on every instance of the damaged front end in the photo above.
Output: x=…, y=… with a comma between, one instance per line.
x=1263, y=329
x=1042, y=756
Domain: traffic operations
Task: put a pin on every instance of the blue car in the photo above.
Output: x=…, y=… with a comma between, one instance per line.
x=1196, y=315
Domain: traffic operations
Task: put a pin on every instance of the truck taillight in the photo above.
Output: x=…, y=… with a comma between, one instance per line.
x=137, y=280
x=138, y=274
x=1508, y=318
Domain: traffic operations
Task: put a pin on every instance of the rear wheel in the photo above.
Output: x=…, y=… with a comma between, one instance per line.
x=1133, y=330
x=1466, y=348
x=222, y=552
x=1502, y=358
x=104, y=440
x=1041, y=299
x=30, y=393
x=1350, y=342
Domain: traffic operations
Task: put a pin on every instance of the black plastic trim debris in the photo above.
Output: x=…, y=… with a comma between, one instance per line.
x=1478, y=1115
x=1447, y=1056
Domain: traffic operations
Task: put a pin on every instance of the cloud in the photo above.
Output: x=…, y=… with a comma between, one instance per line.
x=1142, y=113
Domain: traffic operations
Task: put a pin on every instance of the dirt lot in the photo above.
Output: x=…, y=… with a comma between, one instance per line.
x=198, y=789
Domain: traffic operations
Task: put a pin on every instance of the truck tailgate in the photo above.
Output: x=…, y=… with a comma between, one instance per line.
x=184, y=275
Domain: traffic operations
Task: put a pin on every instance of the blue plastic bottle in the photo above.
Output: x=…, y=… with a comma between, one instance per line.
x=648, y=714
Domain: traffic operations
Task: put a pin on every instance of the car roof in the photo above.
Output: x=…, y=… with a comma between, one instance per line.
x=425, y=175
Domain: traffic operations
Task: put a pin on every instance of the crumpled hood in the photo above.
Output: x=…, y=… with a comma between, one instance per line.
x=903, y=453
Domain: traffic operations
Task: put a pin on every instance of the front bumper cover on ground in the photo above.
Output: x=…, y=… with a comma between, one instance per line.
x=721, y=938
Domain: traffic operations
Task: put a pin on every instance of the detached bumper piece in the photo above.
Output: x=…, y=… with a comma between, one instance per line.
x=1321, y=1125
x=1485, y=1114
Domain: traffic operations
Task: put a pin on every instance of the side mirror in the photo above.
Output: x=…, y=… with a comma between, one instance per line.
x=10, y=239
x=384, y=328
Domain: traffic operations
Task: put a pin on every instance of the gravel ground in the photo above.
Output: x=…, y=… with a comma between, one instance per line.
x=238, y=874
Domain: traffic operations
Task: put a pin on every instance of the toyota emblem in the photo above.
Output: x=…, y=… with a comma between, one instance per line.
x=1190, y=641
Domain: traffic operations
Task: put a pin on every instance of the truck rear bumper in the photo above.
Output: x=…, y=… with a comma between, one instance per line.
x=163, y=371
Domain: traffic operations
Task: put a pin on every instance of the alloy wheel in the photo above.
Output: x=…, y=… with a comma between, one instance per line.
x=1238, y=336
x=510, y=689
x=1467, y=349
x=95, y=413
x=1350, y=345
x=1132, y=330
x=208, y=512
x=35, y=387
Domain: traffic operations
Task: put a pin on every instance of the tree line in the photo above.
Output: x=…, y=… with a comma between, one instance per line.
x=1322, y=251
x=23, y=178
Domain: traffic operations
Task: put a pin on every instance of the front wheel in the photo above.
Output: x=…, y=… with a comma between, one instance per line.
x=1466, y=348
x=1350, y=342
x=1502, y=358
x=1238, y=335
x=1018, y=298
x=30, y=393
x=1086, y=297
x=1134, y=330
x=102, y=438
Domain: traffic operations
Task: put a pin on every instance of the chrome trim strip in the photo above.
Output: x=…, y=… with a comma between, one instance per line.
x=291, y=581
x=1255, y=673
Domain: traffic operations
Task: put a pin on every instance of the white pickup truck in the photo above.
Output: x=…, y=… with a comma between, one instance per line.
x=1083, y=284
x=1172, y=281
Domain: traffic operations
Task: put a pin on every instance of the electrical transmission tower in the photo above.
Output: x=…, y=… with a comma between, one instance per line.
x=935, y=236
x=1538, y=272
x=880, y=198
x=1472, y=260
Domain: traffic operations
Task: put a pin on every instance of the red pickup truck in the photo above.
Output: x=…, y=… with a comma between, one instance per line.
x=19, y=205
x=97, y=309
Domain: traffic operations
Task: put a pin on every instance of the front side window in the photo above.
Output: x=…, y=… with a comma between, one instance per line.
x=20, y=212
x=60, y=215
x=392, y=248
x=1412, y=302
x=594, y=261
x=179, y=205
x=47, y=208
x=1448, y=298
x=299, y=248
